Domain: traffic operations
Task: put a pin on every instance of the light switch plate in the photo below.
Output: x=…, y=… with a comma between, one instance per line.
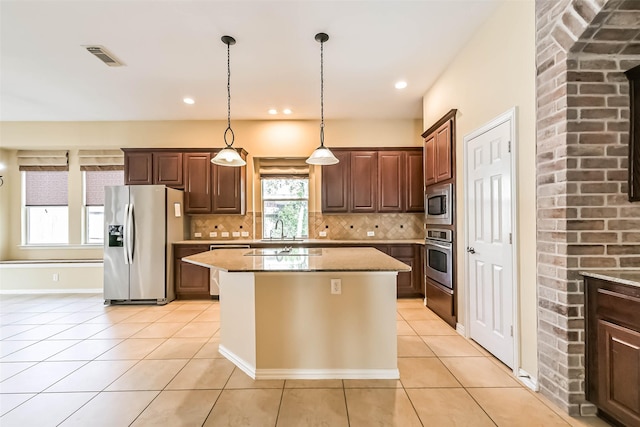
x=244, y=234
x=236, y=234
x=213, y=234
x=371, y=233
x=225, y=234
x=197, y=234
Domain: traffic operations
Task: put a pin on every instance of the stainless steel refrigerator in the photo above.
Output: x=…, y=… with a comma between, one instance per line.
x=141, y=222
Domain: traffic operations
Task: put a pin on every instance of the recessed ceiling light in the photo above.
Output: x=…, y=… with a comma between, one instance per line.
x=401, y=85
x=189, y=101
x=273, y=111
x=286, y=111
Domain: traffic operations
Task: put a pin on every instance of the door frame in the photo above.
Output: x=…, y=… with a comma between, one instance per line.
x=509, y=115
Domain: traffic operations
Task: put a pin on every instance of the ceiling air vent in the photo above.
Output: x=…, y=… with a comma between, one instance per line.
x=104, y=55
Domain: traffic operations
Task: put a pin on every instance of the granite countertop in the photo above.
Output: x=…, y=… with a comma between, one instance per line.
x=300, y=242
x=315, y=259
x=624, y=277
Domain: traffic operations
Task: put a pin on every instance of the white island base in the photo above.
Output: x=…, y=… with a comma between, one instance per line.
x=288, y=325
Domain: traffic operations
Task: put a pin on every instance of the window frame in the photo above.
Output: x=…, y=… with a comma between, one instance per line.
x=307, y=199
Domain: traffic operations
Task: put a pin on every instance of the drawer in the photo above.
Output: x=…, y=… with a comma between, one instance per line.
x=401, y=251
x=619, y=308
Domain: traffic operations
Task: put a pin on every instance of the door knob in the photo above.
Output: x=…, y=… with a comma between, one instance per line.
x=471, y=250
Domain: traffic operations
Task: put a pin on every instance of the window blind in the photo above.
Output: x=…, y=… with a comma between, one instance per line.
x=282, y=167
x=43, y=160
x=46, y=188
x=101, y=160
x=94, y=183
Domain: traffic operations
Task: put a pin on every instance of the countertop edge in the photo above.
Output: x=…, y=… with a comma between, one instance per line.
x=623, y=277
x=300, y=242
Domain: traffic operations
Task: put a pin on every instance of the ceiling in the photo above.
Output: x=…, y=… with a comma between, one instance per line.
x=172, y=49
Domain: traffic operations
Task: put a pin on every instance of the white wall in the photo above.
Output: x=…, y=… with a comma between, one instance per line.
x=493, y=73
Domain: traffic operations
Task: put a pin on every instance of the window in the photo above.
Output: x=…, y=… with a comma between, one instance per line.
x=286, y=200
x=46, y=205
x=94, y=183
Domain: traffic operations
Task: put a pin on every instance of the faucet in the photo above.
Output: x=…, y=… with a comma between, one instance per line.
x=279, y=221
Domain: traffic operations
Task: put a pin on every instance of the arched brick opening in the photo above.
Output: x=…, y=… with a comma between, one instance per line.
x=584, y=219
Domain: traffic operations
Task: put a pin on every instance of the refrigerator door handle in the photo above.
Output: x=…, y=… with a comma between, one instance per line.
x=130, y=235
x=125, y=234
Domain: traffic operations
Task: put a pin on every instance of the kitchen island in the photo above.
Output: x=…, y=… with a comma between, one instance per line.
x=307, y=313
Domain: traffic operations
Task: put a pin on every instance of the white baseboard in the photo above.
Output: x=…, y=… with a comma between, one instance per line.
x=308, y=374
x=50, y=291
x=460, y=329
x=528, y=380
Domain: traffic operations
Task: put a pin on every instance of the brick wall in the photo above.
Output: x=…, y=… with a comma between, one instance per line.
x=584, y=219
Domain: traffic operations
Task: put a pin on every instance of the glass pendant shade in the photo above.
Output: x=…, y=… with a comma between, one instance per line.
x=322, y=156
x=228, y=157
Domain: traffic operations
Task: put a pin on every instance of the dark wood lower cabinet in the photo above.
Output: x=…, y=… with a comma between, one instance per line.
x=613, y=350
x=192, y=281
x=440, y=301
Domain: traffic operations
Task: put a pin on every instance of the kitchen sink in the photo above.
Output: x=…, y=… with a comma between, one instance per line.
x=285, y=251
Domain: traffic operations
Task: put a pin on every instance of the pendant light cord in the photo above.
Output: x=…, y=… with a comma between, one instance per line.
x=228, y=100
x=322, y=94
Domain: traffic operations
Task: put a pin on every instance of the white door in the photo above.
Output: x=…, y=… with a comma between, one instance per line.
x=489, y=262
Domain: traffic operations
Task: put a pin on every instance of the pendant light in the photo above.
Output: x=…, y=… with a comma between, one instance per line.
x=322, y=155
x=228, y=156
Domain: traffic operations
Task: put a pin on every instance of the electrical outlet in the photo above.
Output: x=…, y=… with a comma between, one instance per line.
x=235, y=234
x=197, y=235
x=323, y=234
x=244, y=234
x=225, y=234
x=56, y=277
x=336, y=286
x=213, y=234
x=371, y=233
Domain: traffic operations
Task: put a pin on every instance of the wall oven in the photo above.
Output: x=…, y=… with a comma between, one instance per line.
x=439, y=257
x=438, y=202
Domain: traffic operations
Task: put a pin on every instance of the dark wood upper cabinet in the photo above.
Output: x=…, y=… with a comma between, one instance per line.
x=634, y=133
x=391, y=181
x=374, y=180
x=364, y=173
x=335, y=184
x=167, y=169
x=138, y=168
x=197, y=182
x=414, y=187
x=209, y=189
x=439, y=150
x=229, y=189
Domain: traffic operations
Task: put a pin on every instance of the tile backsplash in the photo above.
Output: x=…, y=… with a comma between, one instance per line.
x=342, y=227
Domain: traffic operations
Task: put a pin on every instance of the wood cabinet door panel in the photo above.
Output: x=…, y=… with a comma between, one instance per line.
x=227, y=189
x=619, y=372
x=414, y=182
x=430, y=160
x=391, y=181
x=197, y=182
x=138, y=168
x=167, y=169
x=443, y=152
x=364, y=166
x=335, y=184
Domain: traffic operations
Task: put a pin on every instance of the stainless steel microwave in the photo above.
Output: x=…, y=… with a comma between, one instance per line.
x=438, y=204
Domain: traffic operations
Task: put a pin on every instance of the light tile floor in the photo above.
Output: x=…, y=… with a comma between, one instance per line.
x=68, y=360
